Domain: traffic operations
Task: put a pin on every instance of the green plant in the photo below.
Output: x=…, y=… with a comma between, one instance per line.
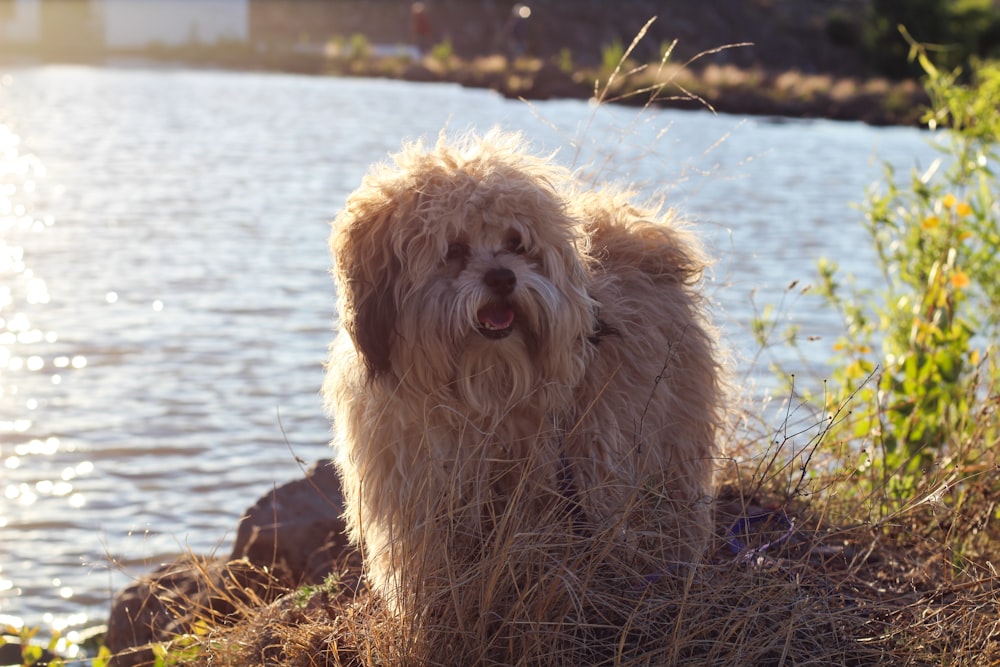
x=956, y=30
x=443, y=52
x=612, y=56
x=358, y=48
x=564, y=60
x=330, y=586
x=31, y=654
x=912, y=361
x=52, y=652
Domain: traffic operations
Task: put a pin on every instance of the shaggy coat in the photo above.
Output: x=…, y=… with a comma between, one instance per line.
x=516, y=351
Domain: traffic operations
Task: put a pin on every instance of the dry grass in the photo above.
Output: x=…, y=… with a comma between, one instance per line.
x=811, y=565
x=793, y=93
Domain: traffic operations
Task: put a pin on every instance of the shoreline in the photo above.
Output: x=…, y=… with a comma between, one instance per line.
x=723, y=88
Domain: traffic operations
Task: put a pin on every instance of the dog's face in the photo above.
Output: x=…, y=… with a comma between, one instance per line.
x=460, y=268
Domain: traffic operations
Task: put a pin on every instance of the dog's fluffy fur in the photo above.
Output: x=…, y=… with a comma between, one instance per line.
x=515, y=350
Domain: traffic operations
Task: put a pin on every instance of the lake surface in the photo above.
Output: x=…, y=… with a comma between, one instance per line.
x=165, y=302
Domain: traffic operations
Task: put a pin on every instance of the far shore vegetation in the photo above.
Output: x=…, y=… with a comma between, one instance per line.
x=695, y=84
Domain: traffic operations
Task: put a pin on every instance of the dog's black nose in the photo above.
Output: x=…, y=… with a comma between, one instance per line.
x=501, y=281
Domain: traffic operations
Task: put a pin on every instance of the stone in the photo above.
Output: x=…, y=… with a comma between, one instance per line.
x=175, y=597
x=296, y=531
x=291, y=537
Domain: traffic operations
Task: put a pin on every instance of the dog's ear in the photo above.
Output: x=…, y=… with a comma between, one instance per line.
x=367, y=271
x=374, y=324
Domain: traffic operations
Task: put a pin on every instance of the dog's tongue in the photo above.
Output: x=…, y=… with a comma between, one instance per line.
x=496, y=316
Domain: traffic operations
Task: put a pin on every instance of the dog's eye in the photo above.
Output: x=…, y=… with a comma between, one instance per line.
x=514, y=245
x=457, y=251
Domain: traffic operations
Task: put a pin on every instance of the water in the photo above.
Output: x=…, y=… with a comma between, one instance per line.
x=165, y=303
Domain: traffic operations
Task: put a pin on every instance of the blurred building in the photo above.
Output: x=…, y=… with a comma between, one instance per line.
x=79, y=26
x=139, y=23
x=19, y=22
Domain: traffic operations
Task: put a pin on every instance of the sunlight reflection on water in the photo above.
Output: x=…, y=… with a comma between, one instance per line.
x=165, y=302
x=30, y=472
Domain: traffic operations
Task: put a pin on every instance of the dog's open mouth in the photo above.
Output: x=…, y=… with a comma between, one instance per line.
x=496, y=319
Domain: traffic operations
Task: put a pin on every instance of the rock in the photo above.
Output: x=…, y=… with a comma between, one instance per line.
x=296, y=530
x=10, y=654
x=171, y=600
x=291, y=537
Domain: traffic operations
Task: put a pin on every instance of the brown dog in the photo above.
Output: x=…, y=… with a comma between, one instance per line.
x=513, y=343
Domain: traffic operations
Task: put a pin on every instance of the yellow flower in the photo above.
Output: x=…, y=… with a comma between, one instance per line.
x=962, y=236
x=959, y=279
x=930, y=222
x=948, y=201
x=963, y=209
